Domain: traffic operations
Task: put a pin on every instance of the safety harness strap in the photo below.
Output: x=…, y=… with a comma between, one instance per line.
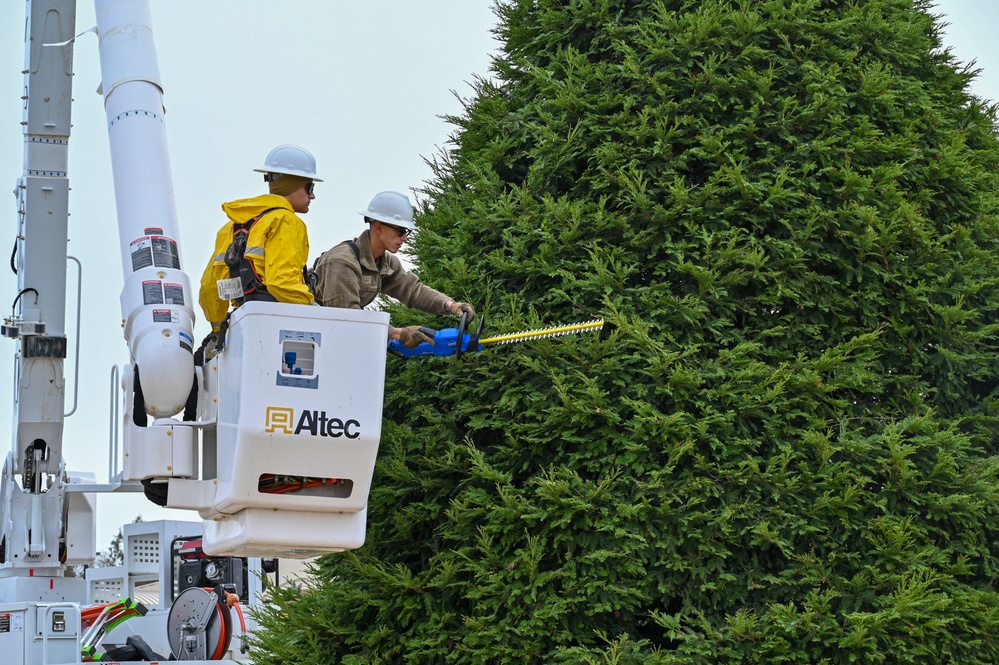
x=312, y=278
x=240, y=266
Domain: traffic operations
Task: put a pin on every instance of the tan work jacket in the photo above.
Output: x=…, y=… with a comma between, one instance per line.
x=354, y=282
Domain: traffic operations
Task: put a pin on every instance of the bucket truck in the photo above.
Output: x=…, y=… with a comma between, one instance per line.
x=272, y=442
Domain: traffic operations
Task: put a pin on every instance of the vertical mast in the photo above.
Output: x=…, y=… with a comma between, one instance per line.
x=43, y=207
x=33, y=531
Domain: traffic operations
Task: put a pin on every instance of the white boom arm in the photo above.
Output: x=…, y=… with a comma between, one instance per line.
x=156, y=301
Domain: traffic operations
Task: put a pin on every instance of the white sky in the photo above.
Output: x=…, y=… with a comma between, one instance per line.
x=360, y=84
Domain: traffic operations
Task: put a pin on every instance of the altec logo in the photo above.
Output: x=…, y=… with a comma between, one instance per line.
x=314, y=423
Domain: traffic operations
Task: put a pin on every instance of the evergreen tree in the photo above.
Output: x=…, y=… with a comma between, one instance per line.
x=781, y=448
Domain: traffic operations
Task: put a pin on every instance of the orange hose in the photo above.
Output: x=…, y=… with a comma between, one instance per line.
x=220, y=647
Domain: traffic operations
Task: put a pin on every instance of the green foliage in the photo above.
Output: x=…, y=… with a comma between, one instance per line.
x=781, y=448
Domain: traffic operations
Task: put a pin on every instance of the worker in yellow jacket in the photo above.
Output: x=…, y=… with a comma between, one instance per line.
x=261, y=251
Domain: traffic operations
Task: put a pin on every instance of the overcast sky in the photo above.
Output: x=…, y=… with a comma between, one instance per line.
x=360, y=84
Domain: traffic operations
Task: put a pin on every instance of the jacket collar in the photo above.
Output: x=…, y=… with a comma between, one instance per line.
x=244, y=210
x=367, y=260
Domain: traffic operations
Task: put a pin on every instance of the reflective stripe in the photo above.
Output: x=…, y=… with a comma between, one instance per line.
x=250, y=251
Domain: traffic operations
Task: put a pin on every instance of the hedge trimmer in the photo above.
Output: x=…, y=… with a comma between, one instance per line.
x=456, y=341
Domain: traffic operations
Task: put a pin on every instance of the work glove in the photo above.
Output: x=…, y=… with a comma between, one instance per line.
x=208, y=349
x=411, y=336
x=457, y=308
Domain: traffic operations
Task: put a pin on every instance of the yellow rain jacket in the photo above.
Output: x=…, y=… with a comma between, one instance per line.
x=277, y=248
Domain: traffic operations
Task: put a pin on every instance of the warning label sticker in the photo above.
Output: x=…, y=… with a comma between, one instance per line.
x=162, y=316
x=11, y=623
x=152, y=292
x=173, y=294
x=154, y=251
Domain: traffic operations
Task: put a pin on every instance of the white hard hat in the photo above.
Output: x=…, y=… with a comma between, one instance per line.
x=391, y=208
x=290, y=160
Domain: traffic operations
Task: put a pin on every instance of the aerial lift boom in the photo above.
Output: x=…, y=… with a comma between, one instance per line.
x=272, y=442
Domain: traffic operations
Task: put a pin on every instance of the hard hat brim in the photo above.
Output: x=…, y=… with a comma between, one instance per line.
x=388, y=220
x=301, y=174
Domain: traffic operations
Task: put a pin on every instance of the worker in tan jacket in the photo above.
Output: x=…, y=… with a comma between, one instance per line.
x=353, y=273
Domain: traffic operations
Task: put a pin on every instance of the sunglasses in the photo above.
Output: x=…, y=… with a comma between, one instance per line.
x=398, y=229
x=309, y=188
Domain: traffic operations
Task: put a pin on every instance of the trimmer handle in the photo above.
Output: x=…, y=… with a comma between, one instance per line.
x=445, y=342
